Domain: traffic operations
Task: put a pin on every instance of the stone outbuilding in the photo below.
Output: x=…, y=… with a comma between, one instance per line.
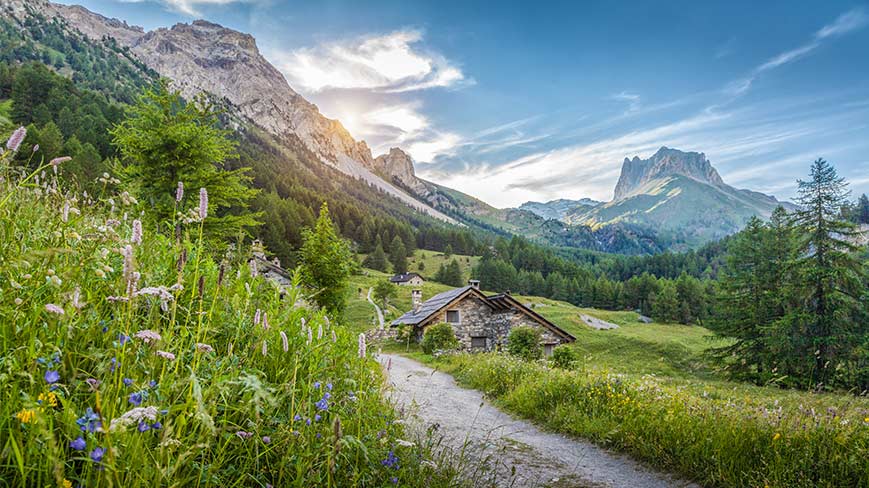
x=407, y=279
x=481, y=323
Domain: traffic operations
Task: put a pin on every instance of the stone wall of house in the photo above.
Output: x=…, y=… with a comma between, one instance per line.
x=477, y=319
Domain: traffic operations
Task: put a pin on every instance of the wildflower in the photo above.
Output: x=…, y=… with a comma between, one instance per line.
x=160, y=292
x=254, y=272
x=307, y=421
x=204, y=347
x=166, y=355
x=157, y=425
x=78, y=444
x=143, y=426
x=128, y=260
x=57, y=161
x=114, y=365
x=243, y=435
x=128, y=382
x=310, y=339
x=89, y=422
x=362, y=346
x=66, y=483
x=203, y=203
x=334, y=337
x=317, y=417
x=322, y=404
x=76, y=299
x=267, y=439
x=123, y=338
x=404, y=443
x=26, y=416
x=136, y=398
x=265, y=349
x=391, y=461
x=317, y=385
x=97, y=454
x=257, y=316
x=147, y=335
x=64, y=215
x=265, y=321
x=285, y=342
x=35, y=147
x=297, y=417
x=48, y=398
x=93, y=383
x=394, y=480
x=133, y=417
x=329, y=386
x=179, y=192
x=137, y=232
x=56, y=309
x=16, y=139
x=776, y=437
x=52, y=376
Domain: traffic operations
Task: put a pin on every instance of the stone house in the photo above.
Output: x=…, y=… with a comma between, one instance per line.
x=407, y=279
x=481, y=323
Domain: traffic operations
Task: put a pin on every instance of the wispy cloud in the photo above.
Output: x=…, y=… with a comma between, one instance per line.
x=850, y=21
x=191, y=7
x=633, y=100
x=390, y=63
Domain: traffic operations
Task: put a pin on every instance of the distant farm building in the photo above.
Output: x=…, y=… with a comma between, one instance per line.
x=480, y=322
x=407, y=279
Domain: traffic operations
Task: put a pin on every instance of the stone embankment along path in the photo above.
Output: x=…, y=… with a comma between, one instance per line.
x=467, y=421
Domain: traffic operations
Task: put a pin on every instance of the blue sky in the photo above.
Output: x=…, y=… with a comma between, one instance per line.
x=540, y=100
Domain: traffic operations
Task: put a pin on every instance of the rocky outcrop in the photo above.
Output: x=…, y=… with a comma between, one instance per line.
x=397, y=164
x=206, y=57
x=557, y=209
x=637, y=172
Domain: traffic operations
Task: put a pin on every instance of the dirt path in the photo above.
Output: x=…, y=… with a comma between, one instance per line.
x=376, y=308
x=540, y=458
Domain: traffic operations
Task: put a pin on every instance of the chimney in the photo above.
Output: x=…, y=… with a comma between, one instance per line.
x=474, y=283
x=416, y=299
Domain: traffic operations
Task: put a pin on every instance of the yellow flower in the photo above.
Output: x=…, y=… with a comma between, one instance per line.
x=776, y=437
x=50, y=398
x=66, y=484
x=26, y=416
x=866, y=420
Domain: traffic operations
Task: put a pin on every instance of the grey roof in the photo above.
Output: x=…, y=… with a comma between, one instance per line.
x=402, y=277
x=430, y=307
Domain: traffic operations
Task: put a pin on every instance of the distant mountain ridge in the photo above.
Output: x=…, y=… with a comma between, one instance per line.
x=679, y=193
x=557, y=209
x=637, y=172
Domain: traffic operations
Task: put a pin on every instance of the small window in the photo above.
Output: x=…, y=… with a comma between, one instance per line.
x=478, y=342
x=452, y=316
x=547, y=349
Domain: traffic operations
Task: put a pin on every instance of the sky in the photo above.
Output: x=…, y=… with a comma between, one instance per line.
x=512, y=102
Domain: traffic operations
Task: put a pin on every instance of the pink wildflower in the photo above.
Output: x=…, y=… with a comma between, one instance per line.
x=203, y=203
x=147, y=335
x=285, y=342
x=256, y=317
x=265, y=321
x=179, y=193
x=166, y=355
x=50, y=307
x=204, y=347
x=16, y=139
x=137, y=232
x=362, y=346
x=265, y=349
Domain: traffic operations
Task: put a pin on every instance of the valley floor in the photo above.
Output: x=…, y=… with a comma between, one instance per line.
x=485, y=434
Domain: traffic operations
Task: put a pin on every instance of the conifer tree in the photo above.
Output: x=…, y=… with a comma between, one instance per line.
x=665, y=302
x=450, y=274
x=326, y=263
x=398, y=255
x=377, y=259
x=828, y=276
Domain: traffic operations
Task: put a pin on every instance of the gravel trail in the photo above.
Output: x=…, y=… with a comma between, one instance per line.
x=376, y=308
x=539, y=458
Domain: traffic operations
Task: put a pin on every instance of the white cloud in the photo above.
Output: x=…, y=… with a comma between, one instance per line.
x=632, y=99
x=390, y=63
x=848, y=22
x=189, y=7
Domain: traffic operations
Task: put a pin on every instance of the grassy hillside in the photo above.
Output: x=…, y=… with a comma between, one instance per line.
x=432, y=261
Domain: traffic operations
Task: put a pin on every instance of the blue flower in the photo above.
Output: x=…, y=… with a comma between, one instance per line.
x=143, y=426
x=97, y=454
x=89, y=422
x=317, y=418
x=317, y=385
x=394, y=480
x=327, y=396
x=329, y=386
x=391, y=461
x=323, y=404
x=152, y=384
x=307, y=421
x=297, y=417
x=128, y=382
x=79, y=444
x=157, y=425
x=114, y=365
x=123, y=338
x=137, y=398
x=52, y=376
x=319, y=435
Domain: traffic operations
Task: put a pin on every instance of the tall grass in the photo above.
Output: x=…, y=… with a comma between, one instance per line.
x=718, y=436
x=130, y=361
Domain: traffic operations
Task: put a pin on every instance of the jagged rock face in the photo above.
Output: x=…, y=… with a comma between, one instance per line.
x=206, y=57
x=557, y=209
x=396, y=164
x=637, y=172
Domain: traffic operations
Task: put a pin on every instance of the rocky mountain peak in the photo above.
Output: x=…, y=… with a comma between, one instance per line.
x=396, y=164
x=665, y=162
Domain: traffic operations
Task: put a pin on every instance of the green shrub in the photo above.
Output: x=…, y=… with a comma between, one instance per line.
x=524, y=342
x=564, y=357
x=440, y=337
